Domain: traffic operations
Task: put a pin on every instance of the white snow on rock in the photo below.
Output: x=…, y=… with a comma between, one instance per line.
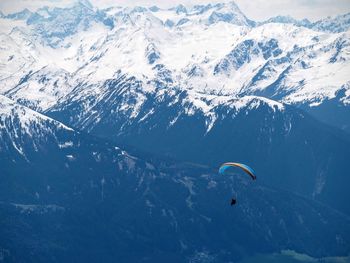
x=18, y=122
x=213, y=52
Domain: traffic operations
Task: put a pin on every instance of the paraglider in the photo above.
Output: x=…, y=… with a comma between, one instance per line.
x=244, y=167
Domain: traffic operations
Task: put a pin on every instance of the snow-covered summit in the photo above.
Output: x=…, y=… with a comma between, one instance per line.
x=337, y=24
x=25, y=117
x=21, y=127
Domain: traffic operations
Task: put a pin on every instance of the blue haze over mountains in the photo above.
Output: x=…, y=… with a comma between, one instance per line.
x=111, y=135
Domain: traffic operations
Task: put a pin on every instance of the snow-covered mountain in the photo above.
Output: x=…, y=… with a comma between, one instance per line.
x=209, y=49
x=130, y=74
x=24, y=131
x=201, y=84
x=340, y=23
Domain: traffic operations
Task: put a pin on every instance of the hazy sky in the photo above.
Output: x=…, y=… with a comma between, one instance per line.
x=254, y=9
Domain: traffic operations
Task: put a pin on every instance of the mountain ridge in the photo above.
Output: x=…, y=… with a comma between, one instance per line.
x=284, y=62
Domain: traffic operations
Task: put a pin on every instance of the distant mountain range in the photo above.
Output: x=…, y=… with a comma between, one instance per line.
x=47, y=53
x=113, y=123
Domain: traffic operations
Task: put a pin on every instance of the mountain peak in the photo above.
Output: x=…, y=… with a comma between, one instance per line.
x=22, y=15
x=179, y=9
x=154, y=8
x=22, y=114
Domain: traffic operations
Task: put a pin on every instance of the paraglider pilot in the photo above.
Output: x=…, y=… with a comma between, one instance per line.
x=233, y=201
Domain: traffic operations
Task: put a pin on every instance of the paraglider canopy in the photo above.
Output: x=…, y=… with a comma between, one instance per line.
x=244, y=167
